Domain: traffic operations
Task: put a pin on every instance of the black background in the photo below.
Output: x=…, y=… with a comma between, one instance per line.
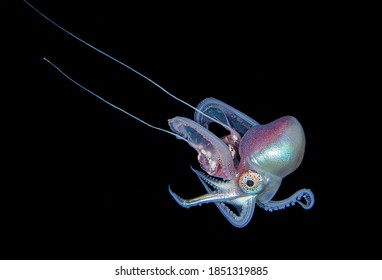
x=83, y=181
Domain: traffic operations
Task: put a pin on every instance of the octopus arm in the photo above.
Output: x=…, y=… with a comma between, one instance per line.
x=245, y=207
x=297, y=197
x=223, y=113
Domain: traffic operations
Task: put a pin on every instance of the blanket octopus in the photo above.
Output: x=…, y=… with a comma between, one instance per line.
x=241, y=169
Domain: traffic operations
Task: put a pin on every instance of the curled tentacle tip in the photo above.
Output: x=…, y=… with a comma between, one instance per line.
x=309, y=199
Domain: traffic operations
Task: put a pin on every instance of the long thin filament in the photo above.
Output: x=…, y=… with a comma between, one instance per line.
x=125, y=65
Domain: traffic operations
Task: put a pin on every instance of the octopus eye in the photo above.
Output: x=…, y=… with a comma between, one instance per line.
x=251, y=182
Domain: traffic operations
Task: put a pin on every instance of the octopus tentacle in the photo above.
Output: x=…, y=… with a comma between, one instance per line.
x=245, y=207
x=296, y=197
x=216, y=184
x=206, y=198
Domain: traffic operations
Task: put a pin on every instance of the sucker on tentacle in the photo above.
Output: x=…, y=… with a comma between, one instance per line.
x=219, y=193
x=214, y=182
x=213, y=196
x=291, y=201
